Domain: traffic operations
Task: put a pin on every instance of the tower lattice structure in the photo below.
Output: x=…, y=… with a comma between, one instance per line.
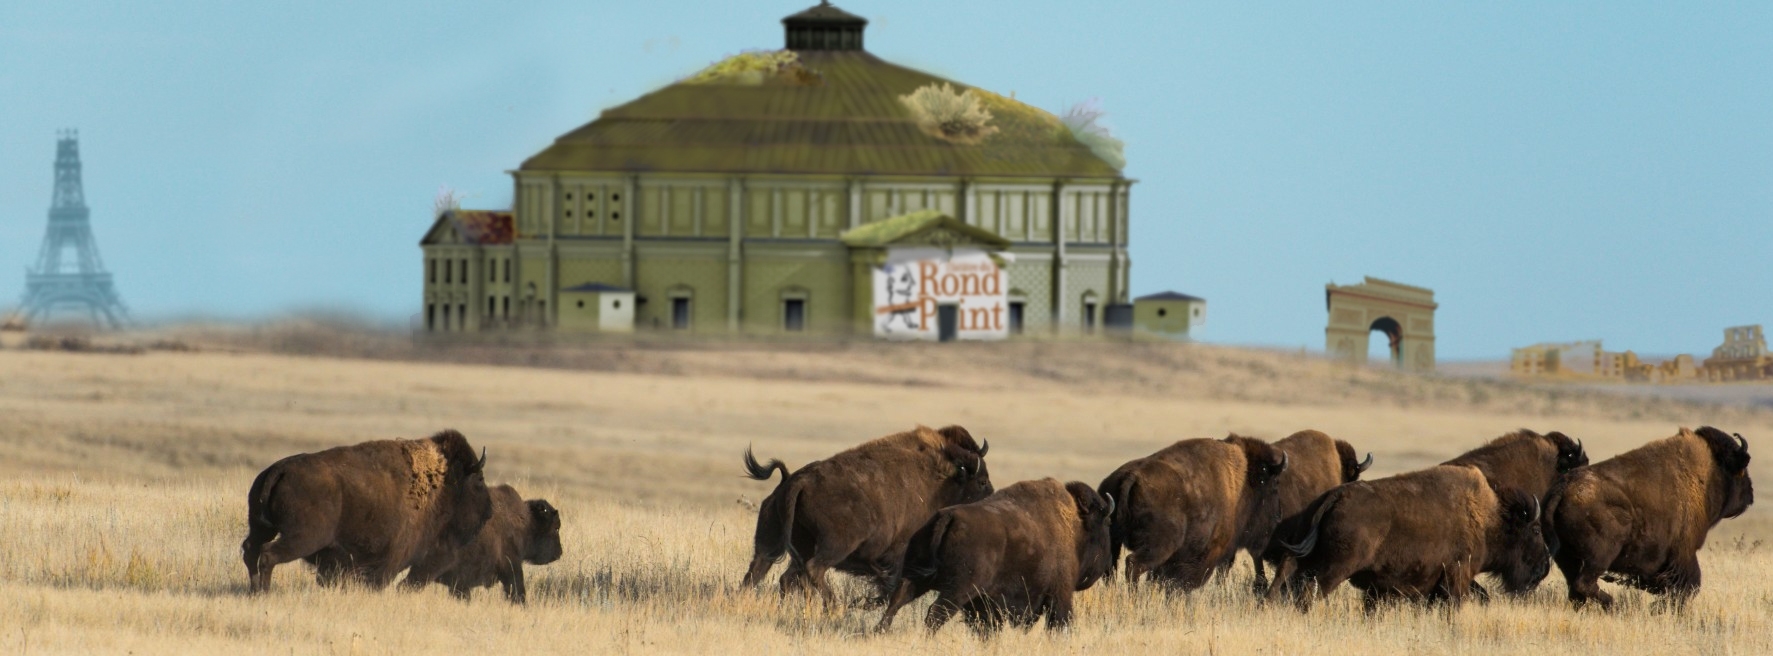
x=60, y=282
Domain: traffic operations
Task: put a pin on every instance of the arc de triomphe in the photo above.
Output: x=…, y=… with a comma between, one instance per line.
x=1404, y=313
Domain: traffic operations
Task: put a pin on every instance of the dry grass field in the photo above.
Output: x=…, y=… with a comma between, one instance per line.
x=123, y=483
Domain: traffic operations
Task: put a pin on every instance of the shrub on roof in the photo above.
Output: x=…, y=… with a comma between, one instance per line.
x=1082, y=119
x=756, y=68
x=955, y=117
x=1019, y=122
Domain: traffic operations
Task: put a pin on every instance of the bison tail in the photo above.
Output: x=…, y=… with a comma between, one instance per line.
x=1120, y=522
x=759, y=472
x=1547, y=518
x=260, y=497
x=923, y=555
x=1306, y=544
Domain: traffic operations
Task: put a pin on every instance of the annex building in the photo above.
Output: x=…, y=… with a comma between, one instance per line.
x=816, y=188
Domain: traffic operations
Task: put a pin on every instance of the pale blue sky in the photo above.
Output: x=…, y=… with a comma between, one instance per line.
x=1555, y=171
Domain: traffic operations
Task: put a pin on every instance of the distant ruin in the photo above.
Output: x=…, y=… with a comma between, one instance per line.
x=1742, y=357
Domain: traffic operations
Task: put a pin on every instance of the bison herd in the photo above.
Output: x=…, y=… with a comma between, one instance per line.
x=916, y=512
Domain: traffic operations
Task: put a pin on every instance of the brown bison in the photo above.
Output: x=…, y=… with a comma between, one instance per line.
x=1423, y=536
x=1184, y=510
x=1643, y=515
x=1315, y=463
x=855, y=510
x=367, y=511
x=1525, y=460
x=1015, y=556
x=519, y=532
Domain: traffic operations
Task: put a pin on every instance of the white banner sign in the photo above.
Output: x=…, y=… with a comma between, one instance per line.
x=921, y=291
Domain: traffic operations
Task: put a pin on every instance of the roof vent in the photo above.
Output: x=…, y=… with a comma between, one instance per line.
x=824, y=27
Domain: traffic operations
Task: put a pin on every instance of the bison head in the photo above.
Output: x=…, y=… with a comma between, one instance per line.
x=469, y=503
x=544, y=533
x=1351, y=468
x=1730, y=453
x=1570, y=453
x=1266, y=461
x=971, y=479
x=1518, y=552
x=1095, y=552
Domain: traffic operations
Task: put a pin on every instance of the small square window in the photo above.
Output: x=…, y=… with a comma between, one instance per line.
x=581, y=304
x=615, y=216
x=569, y=196
x=616, y=197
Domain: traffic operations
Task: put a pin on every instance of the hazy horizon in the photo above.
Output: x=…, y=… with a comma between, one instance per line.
x=1555, y=173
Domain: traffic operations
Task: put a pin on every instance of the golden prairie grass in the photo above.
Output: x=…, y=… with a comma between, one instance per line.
x=122, y=502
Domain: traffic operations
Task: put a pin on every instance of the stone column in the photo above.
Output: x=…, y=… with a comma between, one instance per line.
x=735, y=228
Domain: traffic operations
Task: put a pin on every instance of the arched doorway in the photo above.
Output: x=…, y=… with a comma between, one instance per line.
x=1393, y=334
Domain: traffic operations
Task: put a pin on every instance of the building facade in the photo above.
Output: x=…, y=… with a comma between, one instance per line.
x=722, y=202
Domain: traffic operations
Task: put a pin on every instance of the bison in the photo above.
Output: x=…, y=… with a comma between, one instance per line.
x=1315, y=463
x=855, y=510
x=1525, y=460
x=1423, y=536
x=519, y=532
x=368, y=510
x=1015, y=556
x=1642, y=515
x=1184, y=510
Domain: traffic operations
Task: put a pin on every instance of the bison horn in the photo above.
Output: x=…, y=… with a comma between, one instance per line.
x=1741, y=444
x=1365, y=463
x=1536, y=510
x=481, y=464
x=1110, y=499
x=983, y=447
x=1283, y=462
x=1578, y=445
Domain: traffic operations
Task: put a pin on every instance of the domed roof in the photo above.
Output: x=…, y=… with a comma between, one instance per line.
x=816, y=112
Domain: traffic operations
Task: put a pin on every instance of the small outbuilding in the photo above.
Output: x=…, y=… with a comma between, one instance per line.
x=598, y=307
x=1170, y=314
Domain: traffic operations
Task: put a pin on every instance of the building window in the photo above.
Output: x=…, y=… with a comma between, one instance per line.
x=581, y=305
x=431, y=317
x=680, y=313
x=794, y=315
x=448, y=271
x=1162, y=312
x=492, y=272
x=507, y=269
x=615, y=216
x=492, y=306
x=507, y=307
x=464, y=271
x=431, y=270
x=445, y=315
x=462, y=316
x=1016, y=308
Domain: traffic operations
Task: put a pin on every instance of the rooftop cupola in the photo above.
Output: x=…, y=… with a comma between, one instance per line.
x=824, y=27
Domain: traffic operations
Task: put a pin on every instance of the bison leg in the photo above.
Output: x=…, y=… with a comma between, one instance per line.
x=947, y=603
x=250, y=551
x=1260, y=585
x=1059, y=611
x=1583, y=577
x=761, y=562
x=515, y=592
x=461, y=591
x=904, y=594
x=330, y=566
x=288, y=546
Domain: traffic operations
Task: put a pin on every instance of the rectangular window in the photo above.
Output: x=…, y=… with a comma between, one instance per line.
x=431, y=270
x=794, y=315
x=449, y=271
x=492, y=272
x=506, y=313
x=492, y=308
x=1089, y=317
x=1016, y=317
x=431, y=316
x=465, y=272
x=462, y=316
x=680, y=313
x=445, y=315
x=507, y=269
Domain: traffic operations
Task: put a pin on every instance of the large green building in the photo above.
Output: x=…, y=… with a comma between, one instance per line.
x=750, y=198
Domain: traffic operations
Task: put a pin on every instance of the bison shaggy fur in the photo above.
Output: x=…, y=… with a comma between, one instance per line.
x=1315, y=463
x=1643, y=515
x=1015, y=556
x=1182, y=512
x=366, y=511
x=855, y=510
x=1423, y=536
x=519, y=532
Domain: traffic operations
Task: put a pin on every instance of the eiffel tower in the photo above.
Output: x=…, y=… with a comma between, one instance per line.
x=82, y=282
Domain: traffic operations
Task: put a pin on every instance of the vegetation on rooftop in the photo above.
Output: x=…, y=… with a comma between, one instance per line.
x=1082, y=119
x=955, y=117
x=757, y=68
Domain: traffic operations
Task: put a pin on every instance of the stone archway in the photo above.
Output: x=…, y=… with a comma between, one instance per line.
x=1404, y=313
